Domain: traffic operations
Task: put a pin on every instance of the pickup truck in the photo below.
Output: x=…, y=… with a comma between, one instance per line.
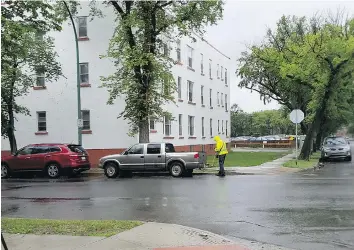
x=152, y=157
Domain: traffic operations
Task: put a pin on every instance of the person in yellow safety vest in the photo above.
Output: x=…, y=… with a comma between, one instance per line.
x=220, y=152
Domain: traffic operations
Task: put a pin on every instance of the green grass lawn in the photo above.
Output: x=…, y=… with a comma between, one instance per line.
x=103, y=228
x=303, y=164
x=247, y=159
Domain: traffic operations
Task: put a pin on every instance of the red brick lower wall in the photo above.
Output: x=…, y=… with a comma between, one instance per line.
x=96, y=154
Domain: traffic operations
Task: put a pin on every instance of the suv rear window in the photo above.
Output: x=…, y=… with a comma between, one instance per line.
x=77, y=149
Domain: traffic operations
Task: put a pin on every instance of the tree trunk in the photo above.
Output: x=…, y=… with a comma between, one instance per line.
x=11, y=130
x=319, y=138
x=306, y=147
x=144, y=131
x=303, y=127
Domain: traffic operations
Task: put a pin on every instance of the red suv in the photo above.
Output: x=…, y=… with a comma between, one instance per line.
x=53, y=159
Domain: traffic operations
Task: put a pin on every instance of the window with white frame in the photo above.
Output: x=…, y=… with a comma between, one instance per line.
x=210, y=98
x=84, y=73
x=218, y=126
x=40, y=78
x=226, y=127
x=42, y=121
x=82, y=24
x=178, y=50
x=222, y=126
x=203, y=127
x=167, y=126
x=202, y=95
x=210, y=62
x=165, y=48
x=190, y=91
x=217, y=98
x=85, y=116
x=201, y=63
x=211, y=127
x=225, y=76
x=190, y=57
x=180, y=125
x=179, y=87
x=222, y=99
x=217, y=71
x=222, y=73
x=152, y=124
x=225, y=102
x=191, y=125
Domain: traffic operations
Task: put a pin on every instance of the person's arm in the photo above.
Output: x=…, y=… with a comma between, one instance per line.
x=218, y=146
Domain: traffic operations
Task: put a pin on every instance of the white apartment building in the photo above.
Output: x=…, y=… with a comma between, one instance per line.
x=201, y=111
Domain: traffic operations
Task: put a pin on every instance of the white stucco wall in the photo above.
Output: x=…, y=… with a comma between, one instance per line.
x=59, y=99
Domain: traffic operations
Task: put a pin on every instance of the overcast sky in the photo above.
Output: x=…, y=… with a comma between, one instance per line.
x=246, y=22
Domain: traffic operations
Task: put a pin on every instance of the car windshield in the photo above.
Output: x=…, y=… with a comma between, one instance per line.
x=335, y=141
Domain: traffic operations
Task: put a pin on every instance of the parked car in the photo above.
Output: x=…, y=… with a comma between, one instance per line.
x=53, y=159
x=160, y=157
x=336, y=147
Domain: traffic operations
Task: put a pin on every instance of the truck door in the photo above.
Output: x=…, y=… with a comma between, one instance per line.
x=134, y=158
x=154, y=158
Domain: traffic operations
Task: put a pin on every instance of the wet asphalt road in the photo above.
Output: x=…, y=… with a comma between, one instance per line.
x=307, y=210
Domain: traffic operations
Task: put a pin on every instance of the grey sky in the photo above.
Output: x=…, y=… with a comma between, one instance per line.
x=245, y=22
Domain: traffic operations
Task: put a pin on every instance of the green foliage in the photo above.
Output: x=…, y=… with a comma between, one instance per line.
x=143, y=71
x=25, y=51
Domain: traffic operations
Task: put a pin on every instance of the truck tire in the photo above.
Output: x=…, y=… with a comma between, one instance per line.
x=176, y=169
x=111, y=170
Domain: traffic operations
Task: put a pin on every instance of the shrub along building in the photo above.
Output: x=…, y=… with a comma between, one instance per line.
x=202, y=96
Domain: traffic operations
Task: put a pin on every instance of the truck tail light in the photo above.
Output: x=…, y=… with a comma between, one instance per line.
x=196, y=156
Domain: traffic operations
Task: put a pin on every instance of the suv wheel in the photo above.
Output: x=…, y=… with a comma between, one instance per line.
x=176, y=169
x=53, y=170
x=111, y=170
x=4, y=171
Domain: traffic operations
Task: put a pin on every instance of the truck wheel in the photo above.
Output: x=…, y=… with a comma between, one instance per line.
x=176, y=169
x=111, y=170
x=53, y=170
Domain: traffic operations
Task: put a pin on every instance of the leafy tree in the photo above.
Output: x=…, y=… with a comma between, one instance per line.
x=139, y=48
x=25, y=51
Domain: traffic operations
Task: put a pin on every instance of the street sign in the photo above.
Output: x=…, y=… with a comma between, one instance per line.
x=80, y=123
x=297, y=116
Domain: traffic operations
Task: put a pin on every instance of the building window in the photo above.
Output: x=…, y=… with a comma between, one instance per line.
x=225, y=102
x=225, y=76
x=201, y=64
x=203, y=127
x=190, y=57
x=178, y=50
x=210, y=98
x=166, y=87
x=167, y=126
x=40, y=79
x=191, y=125
x=202, y=94
x=218, y=126
x=152, y=124
x=42, y=120
x=85, y=116
x=179, y=87
x=190, y=91
x=180, y=127
x=217, y=98
x=226, y=123
x=210, y=62
x=211, y=127
x=222, y=126
x=165, y=48
x=222, y=72
x=222, y=99
x=84, y=73
x=82, y=26
x=217, y=71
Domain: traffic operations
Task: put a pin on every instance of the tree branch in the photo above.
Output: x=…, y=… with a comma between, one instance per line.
x=118, y=8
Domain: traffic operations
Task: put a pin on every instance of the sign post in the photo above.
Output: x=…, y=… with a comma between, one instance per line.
x=296, y=116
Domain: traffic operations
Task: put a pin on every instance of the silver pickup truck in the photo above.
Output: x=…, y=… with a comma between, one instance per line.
x=152, y=157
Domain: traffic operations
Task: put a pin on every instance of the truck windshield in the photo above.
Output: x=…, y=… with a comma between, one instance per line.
x=169, y=148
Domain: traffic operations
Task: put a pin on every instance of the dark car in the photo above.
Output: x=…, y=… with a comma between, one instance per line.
x=53, y=159
x=336, y=147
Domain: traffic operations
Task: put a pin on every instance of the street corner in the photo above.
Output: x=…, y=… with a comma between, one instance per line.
x=215, y=247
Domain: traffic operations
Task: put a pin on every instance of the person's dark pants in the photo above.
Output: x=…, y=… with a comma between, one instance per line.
x=221, y=164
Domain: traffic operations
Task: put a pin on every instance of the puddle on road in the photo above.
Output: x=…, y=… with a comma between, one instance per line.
x=45, y=200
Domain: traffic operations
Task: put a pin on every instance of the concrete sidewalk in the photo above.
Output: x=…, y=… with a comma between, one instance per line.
x=149, y=236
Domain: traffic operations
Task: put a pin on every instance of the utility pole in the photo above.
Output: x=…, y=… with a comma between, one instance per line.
x=79, y=119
